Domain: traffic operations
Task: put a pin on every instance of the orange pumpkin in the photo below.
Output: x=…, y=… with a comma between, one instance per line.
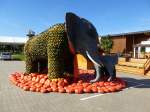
x=26, y=88
x=49, y=89
x=100, y=90
x=79, y=90
x=42, y=81
x=43, y=90
x=61, y=90
x=32, y=89
x=94, y=89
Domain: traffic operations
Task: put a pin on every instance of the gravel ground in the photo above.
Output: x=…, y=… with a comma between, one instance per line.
x=136, y=98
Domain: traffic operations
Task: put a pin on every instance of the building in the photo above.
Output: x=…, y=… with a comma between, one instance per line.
x=12, y=44
x=142, y=50
x=125, y=42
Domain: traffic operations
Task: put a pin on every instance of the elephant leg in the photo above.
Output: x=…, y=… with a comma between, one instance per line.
x=113, y=76
x=110, y=68
x=31, y=66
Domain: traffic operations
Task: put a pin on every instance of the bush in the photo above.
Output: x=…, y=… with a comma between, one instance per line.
x=106, y=44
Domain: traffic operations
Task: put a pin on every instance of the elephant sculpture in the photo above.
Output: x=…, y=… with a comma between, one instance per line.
x=57, y=46
x=83, y=39
x=49, y=49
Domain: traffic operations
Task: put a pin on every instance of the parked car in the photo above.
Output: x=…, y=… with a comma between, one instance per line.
x=5, y=56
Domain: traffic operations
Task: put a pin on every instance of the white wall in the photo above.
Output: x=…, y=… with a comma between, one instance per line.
x=145, y=42
x=147, y=49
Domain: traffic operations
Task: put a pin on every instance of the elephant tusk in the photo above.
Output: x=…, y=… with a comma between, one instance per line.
x=96, y=66
x=98, y=74
x=88, y=55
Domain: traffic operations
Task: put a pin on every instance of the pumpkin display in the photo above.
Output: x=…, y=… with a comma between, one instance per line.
x=40, y=83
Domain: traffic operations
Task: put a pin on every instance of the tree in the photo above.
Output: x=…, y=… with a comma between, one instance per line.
x=106, y=43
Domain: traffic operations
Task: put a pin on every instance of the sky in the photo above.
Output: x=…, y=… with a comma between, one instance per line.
x=108, y=16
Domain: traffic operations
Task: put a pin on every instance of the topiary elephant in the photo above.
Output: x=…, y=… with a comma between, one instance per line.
x=57, y=46
x=49, y=49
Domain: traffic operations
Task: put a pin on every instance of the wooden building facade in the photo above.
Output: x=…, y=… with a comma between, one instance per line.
x=124, y=42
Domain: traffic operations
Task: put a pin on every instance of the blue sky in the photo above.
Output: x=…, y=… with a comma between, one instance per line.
x=108, y=16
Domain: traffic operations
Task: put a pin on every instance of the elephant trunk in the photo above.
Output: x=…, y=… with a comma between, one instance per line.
x=103, y=66
x=96, y=66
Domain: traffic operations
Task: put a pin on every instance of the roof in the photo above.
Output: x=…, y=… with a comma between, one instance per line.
x=146, y=42
x=128, y=33
x=11, y=39
x=143, y=44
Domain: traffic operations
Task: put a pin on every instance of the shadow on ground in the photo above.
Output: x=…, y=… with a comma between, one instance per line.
x=132, y=82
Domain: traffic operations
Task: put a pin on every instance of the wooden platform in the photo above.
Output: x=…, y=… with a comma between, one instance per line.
x=81, y=63
x=135, y=66
x=148, y=73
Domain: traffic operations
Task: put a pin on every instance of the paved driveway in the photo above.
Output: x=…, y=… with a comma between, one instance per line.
x=136, y=98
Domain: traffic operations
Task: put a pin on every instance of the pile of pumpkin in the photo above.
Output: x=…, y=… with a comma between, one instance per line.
x=40, y=83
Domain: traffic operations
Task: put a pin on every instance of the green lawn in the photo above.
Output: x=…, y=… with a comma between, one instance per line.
x=19, y=57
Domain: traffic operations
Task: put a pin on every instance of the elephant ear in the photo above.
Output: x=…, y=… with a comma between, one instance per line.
x=92, y=30
x=79, y=31
x=72, y=22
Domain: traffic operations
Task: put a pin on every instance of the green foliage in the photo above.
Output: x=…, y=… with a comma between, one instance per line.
x=49, y=47
x=142, y=49
x=106, y=44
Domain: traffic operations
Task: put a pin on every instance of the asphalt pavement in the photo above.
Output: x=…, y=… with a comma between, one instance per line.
x=135, y=98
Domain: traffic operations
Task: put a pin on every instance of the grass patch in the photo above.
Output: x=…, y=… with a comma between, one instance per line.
x=19, y=57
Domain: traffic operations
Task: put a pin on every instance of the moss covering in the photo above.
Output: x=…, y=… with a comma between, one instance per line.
x=49, y=49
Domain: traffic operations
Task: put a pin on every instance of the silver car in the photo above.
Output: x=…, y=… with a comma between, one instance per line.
x=5, y=56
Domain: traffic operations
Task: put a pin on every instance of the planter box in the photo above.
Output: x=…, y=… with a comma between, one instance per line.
x=138, y=60
x=127, y=69
x=123, y=59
